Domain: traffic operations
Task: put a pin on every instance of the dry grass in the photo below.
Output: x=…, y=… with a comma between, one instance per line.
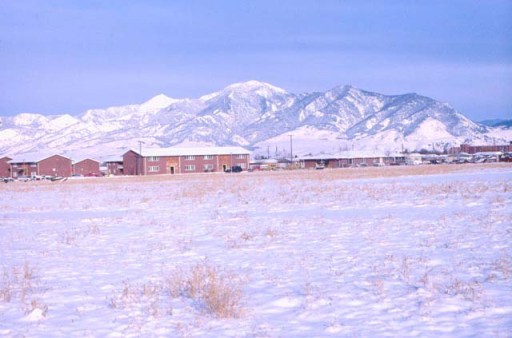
x=213, y=291
x=245, y=188
x=146, y=298
x=210, y=290
x=284, y=176
x=18, y=285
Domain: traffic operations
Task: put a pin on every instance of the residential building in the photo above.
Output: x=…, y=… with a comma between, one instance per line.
x=154, y=161
x=86, y=167
x=113, y=166
x=349, y=159
x=36, y=165
x=5, y=167
x=470, y=149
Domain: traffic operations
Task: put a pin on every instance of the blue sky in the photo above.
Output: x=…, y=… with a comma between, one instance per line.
x=59, y=56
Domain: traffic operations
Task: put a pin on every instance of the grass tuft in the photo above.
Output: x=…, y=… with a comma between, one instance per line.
x=215, y=292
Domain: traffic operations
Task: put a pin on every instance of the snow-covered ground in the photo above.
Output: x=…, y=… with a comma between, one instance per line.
x=423, y=251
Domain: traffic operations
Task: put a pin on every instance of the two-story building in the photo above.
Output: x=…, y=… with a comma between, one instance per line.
x=36, y=165
x=5, y=167
x=177, y=160
x=86, y=167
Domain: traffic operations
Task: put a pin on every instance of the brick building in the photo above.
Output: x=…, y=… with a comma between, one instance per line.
x=184, y=160
x=87, y=167
x=113, y=166
x=350, y=159
x=470, y=149
x=33, y=165
x=5, y=167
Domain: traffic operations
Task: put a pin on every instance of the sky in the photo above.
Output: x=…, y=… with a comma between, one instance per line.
x=59, y=56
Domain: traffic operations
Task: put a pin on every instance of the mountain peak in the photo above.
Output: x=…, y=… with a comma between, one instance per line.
x=257, y=87
x=160, y=100
x=344, y=90
x=253, y=85
x=157, y=102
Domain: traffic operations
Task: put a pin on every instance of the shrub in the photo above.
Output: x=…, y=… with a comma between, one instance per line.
x=16, y=283
x=214, y=292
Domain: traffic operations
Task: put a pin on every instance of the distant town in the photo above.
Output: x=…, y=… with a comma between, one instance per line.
x=176, y=160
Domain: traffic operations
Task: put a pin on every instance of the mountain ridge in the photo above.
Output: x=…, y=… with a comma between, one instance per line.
x=497, y=123
x=256, y=115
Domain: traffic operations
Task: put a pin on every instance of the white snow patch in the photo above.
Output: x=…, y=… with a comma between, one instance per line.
x=316, y=253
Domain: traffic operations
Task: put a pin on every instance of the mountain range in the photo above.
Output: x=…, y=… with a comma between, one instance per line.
x=255, y=115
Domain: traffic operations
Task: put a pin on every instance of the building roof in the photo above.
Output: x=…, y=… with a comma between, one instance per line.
x=264, y=161
x=85, y=159
x=33, y=158
x=348, y=155
x=112, y=159
x=196, y=151
x=489, y=153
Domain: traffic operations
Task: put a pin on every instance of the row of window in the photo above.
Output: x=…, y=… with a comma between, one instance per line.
x=189, y=167
x=193, y=157
x=210, y=157
x=32, y=165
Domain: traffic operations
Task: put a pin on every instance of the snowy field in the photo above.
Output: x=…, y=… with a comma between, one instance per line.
x=407, y=251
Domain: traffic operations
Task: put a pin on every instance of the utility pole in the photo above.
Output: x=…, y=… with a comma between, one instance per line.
x=141, y=158
x=291, y=150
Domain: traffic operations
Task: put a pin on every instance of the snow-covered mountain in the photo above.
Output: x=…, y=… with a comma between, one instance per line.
x=255, y=115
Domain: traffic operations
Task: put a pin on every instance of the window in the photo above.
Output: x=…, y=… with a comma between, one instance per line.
x=208, y=157
x=33, y=165
x=242, y=165
x=153, y=168
x=208, y=167
x=153, y=158
x=240, y=156
x=190, y=157
x=190, y=167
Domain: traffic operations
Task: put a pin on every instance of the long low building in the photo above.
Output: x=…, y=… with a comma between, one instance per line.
x=473, y=149
x=154, y=161
x=349, y=159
